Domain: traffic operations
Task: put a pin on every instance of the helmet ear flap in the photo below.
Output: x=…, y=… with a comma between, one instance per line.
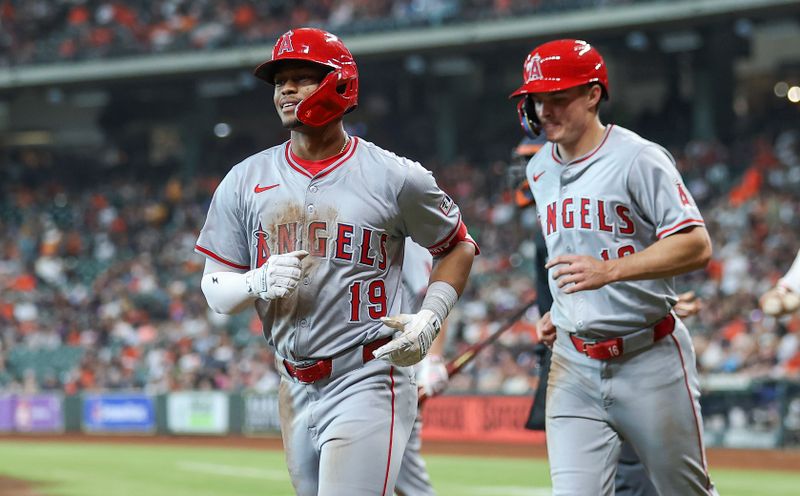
x=527, y=117
x=327, y=103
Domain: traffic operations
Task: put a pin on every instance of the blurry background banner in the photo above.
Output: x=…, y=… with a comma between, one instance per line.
x=6, y=413
x=261, y=414
x=118, y=413
x=35, y=413
x=490, y=419
x=197, y=413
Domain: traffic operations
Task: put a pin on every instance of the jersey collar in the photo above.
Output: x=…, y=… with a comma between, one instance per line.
x=346, y=155
x=587, y=156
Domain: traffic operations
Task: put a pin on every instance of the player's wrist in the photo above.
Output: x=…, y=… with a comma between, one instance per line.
x=613, y=271
x=256, y=282
x=440, y=300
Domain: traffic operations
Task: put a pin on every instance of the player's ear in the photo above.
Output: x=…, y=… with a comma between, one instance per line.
x=595, y=95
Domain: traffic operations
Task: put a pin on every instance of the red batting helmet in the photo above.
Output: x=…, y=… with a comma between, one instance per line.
x=337, y=93
x=555, y=66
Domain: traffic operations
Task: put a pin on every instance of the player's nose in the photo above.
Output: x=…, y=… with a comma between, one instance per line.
x=288, y=88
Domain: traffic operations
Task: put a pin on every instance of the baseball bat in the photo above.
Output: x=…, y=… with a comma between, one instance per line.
x=455, y=365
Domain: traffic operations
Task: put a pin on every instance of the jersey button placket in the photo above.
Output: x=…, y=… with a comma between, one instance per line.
x=310, y=207
x=312, y=189
x=310, y=210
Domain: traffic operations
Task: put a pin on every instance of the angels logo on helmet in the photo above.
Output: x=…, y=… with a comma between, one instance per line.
x=533, y=68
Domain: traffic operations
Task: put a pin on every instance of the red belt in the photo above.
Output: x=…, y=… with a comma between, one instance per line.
x=613, y=348
x=321, y=369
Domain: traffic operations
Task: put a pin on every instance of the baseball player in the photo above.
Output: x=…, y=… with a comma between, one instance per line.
x=312, y=233
x=431, y=373
x=784, y=298
x=631, y=477
x=618, y=223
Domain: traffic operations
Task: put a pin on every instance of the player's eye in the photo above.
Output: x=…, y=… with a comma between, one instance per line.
x=307, y=79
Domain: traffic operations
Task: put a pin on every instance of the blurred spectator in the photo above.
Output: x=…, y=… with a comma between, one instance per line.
x=97, y=275
x=35, y=31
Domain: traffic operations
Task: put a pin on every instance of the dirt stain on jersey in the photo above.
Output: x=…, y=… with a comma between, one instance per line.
x=285, y=227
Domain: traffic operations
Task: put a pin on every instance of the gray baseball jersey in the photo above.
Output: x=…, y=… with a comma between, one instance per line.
x=352, y=217
x=417, y=266
x=344, y=434
x=617, y=200
x=413, y=479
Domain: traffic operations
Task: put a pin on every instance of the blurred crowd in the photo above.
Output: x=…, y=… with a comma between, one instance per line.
x=99, y=284
x=36, y=31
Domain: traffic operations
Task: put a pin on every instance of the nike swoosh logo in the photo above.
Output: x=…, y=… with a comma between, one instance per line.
x=537, y=176
x=259, y=189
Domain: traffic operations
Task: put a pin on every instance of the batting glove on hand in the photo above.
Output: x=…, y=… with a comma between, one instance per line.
x=412, y=344
x=779, y=301
x=278, y=277
x=432, y=375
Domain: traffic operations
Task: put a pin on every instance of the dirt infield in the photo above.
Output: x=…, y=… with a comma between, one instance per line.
x=14, y=487
x=718, y=458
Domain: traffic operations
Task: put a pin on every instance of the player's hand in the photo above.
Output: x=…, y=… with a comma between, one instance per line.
x=417, y=332
x=432, y=375
x=546, y=330
x=779, y=301
x=581, y=271
x=278, y=277
x=688, y=304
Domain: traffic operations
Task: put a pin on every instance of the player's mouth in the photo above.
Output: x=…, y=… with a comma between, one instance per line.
x=289, y=105
x=550, y=126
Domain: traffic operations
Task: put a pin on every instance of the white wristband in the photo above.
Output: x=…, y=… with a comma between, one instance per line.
x=440, y=299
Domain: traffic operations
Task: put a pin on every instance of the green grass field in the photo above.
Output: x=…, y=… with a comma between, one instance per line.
x=60, y=469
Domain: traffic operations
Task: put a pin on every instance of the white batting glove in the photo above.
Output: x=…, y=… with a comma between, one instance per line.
x=413, y=342
x=278, y=277
x=779, y=301
x=432, y=375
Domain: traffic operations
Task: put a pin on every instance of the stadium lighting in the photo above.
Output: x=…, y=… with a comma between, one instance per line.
x=781, y=88
x=222, y=130
x=794, y=94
